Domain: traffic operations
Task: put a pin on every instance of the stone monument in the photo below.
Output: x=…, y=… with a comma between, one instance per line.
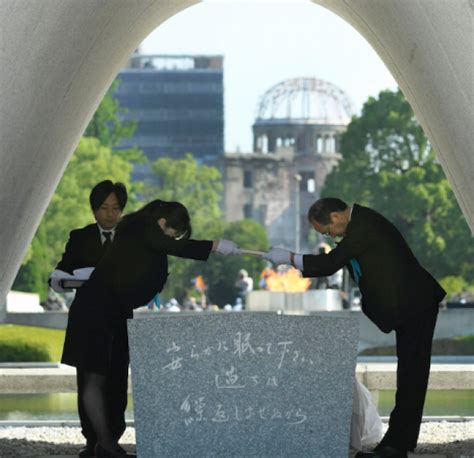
x=242, y=384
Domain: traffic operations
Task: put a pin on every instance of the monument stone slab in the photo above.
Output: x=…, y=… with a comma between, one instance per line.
x=242, y=384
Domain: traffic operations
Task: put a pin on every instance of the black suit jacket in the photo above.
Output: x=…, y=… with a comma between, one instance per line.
x=83, y=249
x=135, y=267
x=394, y=286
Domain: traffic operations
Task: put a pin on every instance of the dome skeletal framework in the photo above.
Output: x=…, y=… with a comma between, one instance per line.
x=305, y=100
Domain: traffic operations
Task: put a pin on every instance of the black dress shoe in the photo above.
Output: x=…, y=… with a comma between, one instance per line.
x=88, y=450
x=387, y=451
x=117, y=452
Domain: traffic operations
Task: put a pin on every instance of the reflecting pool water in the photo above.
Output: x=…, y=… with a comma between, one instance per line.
x=51, y=406
x=62, y=406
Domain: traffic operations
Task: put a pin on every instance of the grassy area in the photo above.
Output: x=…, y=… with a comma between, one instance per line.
x=456, y=346
x=28, y=343
x=438, y=402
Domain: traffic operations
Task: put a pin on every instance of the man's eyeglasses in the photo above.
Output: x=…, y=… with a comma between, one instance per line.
x=327, y=232
x=180, y=236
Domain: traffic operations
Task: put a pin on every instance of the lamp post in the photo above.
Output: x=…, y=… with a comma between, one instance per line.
x=298, y=179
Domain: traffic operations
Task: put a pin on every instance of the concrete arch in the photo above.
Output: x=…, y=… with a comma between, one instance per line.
x=58, y=57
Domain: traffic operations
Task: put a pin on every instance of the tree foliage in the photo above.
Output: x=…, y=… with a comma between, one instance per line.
x=389, y=165
x=221, y=272
x=107, y=124
x=455, y=286
x=69, y=208
x=196, y=186
x=110, y=128
x=93, y=161
x=199, y=188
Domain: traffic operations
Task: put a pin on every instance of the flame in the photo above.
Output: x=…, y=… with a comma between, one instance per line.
x=289, y=281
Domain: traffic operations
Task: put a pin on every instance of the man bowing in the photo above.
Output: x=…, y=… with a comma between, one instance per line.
x=397, y=294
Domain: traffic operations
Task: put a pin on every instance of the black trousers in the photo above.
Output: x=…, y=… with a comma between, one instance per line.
x=116, y=393
x=414, y=340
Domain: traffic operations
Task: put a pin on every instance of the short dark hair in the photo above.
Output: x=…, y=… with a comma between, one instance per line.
x=102, y=190
x=321, y=210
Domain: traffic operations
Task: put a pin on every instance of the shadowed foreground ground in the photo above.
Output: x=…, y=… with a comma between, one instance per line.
x=451, y=439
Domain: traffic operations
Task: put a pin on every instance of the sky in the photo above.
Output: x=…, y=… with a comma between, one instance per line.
x=265, y=42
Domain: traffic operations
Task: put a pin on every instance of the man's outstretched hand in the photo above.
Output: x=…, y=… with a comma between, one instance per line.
x=278, y=256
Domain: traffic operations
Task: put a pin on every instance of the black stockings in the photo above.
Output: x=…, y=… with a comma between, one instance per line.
x=94, y=401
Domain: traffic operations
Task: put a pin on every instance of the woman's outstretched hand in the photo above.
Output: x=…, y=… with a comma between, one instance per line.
x=226, y=248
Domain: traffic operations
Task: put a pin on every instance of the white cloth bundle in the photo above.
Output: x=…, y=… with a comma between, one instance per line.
x=366, y=426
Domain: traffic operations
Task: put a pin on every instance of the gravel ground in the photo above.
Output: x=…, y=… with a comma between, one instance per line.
x=452, y=439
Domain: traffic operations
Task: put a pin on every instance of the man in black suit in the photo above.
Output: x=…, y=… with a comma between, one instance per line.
x=397, y=294
x=85, y=248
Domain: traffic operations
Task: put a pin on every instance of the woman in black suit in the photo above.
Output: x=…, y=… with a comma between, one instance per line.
x=129, y=275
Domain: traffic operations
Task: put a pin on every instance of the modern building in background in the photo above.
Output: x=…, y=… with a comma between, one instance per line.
x=178, y=104
x=296, y=145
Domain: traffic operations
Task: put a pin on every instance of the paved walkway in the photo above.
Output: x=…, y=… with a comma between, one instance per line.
x=409, y=456
x=437, y=439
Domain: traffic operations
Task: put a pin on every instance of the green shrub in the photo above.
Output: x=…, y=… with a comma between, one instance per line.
x=17, y=351
x=455, y=286
x=45, y=344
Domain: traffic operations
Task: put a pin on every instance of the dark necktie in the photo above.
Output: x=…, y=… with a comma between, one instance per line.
x=108, y=239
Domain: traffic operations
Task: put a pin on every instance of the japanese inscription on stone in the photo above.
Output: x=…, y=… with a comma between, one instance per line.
x=242, y=384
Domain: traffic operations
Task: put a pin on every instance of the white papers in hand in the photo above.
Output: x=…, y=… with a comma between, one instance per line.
x=83, y=274
x=68, y=281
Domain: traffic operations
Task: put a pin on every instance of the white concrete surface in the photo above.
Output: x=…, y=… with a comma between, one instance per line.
x=313, y=300
x=375, y=376
x=20, y=302
x=380, y=376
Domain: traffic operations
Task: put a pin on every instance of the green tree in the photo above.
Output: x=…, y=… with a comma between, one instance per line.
x=454, y=286
x=196, y=186
x=110, y=127
x=222, y=271
x=69, y=208
x=199, y=188
x=389, y=165
x=107, y=124
x=94, y=160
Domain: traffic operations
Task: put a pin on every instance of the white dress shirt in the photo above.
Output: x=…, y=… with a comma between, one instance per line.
x=102, y=230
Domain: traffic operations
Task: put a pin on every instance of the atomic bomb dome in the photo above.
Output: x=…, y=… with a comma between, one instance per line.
x=296, y=137
x=306, y=114
x=306, y=100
